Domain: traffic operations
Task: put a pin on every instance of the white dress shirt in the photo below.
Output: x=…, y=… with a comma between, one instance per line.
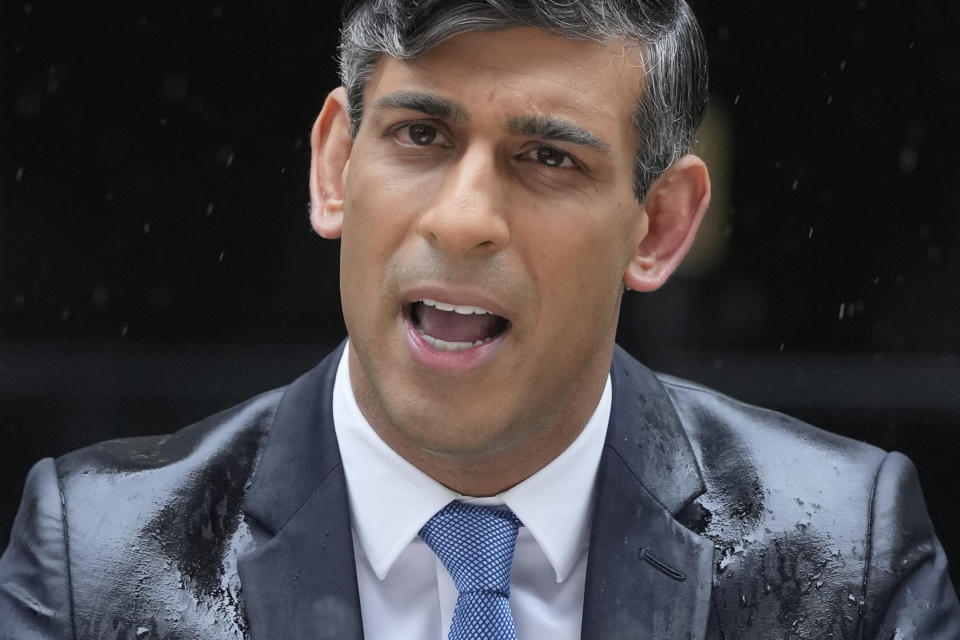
x=405, y=591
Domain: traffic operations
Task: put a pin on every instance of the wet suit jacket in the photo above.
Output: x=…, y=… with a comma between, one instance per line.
x=713, y=519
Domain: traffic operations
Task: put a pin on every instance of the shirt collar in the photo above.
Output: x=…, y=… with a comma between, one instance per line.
x=391, y=500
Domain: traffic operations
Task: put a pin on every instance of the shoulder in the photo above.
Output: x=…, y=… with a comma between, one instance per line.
x=810, y=528
x=158, y=521
x=225, y=438
x=738, y=443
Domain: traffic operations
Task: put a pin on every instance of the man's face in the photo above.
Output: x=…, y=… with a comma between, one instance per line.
x=493, y=174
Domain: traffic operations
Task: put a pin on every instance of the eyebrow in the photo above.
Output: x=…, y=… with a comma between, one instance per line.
x=555, y=129
x=547, y=127
x=425, y=103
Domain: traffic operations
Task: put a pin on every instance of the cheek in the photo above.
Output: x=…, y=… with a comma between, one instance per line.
x=583, y=255
x=376, y=214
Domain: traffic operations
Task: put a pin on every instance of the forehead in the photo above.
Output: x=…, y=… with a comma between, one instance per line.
x=525, y=70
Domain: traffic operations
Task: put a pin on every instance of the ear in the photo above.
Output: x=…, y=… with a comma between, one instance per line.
x=674, y=207
x=331, y=144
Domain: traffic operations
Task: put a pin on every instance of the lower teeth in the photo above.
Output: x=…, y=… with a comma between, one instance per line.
x=443, y=345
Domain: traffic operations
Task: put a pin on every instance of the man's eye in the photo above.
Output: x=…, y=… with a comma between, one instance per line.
x=550, y=157
x=421, y=135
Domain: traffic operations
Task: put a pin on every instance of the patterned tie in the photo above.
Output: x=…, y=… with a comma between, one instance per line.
x=476, y=544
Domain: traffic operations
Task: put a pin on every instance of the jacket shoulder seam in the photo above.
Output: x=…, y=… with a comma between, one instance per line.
x=268, y=435
x=65, y=527
x=868, y=542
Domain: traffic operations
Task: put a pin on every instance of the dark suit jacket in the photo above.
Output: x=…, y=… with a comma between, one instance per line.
x=713, y=520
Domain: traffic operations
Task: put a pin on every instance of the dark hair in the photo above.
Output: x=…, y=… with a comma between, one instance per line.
x=668, y=36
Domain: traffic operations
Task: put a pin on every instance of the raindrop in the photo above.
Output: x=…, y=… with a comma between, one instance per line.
x=146, y=227
x=810, y=235
x=910, y=152
x=19, y=175
x=766, y=588
x=843, y=309
x=852, y=598
x=164, y=121
x=100, y=295
x=909, y=156
x=124, y=330
x=209, y=208
x=142, y=632
x=783, y=345
x=28, y=8
x=737, y=99
x=54, y=76
x=796, y=183
x=723, y=33
x=843, y=65
x=819, y=584
x=743, y=600
x=217, y=12
x=230, y=159
x=18, y=300
x=65, y=314
x=109, y=195
x=221, y=256
x=829, y=100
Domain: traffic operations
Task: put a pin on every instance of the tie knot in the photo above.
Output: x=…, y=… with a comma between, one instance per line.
x=475, y=544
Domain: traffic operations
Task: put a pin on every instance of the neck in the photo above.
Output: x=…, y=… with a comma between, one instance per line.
x=489, y=468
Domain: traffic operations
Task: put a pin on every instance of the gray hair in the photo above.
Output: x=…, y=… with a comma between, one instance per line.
x=671, y=45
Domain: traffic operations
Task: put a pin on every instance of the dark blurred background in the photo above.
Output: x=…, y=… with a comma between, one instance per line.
x=156, y=263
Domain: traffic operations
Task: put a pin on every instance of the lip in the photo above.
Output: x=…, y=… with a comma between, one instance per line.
x=451, y=362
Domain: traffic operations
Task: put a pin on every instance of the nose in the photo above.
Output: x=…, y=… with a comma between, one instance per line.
x=467, y=219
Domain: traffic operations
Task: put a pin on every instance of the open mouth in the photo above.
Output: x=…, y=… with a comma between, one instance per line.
x=450, y=327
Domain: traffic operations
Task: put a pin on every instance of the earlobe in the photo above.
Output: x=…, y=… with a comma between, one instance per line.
x=331, y=144
x=674, y=207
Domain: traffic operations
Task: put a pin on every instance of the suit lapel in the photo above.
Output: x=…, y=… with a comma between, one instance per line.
x=300, y=580
x=648, y=576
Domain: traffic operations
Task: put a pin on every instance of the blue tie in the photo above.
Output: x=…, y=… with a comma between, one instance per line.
x=476, y=544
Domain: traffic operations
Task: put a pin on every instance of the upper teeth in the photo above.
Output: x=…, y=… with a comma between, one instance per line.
x=462, y=309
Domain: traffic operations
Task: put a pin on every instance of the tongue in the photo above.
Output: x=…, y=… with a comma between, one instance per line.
x=455, y=327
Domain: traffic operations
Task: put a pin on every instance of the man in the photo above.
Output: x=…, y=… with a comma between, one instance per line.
x=498, y=173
